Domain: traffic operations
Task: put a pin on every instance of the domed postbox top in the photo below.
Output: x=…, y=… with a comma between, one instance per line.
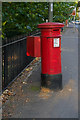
x=51, y=25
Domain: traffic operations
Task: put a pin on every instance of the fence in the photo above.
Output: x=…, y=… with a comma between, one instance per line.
x=14, y=58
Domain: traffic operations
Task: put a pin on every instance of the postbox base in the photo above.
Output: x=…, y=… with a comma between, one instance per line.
x=52, y=81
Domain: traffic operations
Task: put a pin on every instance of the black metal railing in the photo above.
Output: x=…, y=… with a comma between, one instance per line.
x=14, y=58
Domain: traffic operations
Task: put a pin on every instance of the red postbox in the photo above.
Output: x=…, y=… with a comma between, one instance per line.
x=51, y=74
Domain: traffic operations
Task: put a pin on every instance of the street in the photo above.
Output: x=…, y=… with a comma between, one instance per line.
x=77, y=26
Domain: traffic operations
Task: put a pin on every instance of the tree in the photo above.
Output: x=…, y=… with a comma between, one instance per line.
x=62, y=10
x=23, y=17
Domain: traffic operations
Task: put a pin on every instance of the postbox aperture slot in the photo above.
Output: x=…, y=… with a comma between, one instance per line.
x=56, y=30
x=56, y=42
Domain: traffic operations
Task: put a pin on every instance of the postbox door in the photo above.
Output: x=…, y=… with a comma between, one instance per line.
x=51, y=55
x=54, y=55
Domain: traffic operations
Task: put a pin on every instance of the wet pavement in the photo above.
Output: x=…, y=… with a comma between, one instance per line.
x=32, y=101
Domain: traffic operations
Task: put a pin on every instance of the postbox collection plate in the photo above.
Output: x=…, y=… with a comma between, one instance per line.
x=56, y=42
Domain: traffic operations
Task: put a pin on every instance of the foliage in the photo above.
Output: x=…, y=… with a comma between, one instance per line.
x=23, y=17
x=63, y=10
